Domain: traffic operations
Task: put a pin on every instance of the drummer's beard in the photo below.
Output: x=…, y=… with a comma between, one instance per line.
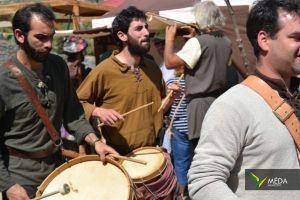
x=138, y=48
x=34, y=54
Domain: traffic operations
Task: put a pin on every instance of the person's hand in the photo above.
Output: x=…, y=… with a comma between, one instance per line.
x=107, y=116
x=17, y=192
x=175, y=89
x=104, y=150
x=74, y=69
x=192, y=32
x=171, y=32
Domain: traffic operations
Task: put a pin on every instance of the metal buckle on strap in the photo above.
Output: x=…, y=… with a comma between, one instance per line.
x=58, y=142
x=287, y=113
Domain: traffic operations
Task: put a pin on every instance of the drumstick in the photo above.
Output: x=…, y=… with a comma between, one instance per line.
x=64, y=190
x=129, y=159
x=69, y=153
x=146, y=153
x=169, y=95
x=129, y=112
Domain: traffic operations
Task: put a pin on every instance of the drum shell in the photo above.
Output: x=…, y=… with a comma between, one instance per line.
x=156, y=179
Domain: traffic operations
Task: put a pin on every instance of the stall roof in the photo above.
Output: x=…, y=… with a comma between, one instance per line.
x=148, y=5
x=112, y=3
x=61, y=6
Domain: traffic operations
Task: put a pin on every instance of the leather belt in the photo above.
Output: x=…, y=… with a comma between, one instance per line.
x=30, y=155
x=281, y=109
x=215, y=93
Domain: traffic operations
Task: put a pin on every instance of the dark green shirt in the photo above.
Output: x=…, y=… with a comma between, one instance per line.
x=22, y=129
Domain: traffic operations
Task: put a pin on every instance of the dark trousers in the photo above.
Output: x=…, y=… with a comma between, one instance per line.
x=30, y=189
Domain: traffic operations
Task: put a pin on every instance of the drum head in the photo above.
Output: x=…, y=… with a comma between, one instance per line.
x=156, y=164
x=89, y=179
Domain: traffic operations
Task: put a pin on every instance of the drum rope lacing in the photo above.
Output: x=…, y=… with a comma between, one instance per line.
x=162, y=187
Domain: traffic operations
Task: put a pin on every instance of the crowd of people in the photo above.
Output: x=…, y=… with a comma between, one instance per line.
x=213, y=133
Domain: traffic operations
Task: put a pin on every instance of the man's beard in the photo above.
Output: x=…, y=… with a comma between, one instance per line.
x=137, y=49
x=34, y=54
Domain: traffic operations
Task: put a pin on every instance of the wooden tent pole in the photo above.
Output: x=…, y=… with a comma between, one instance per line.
x=238, y=35
x=75, y=17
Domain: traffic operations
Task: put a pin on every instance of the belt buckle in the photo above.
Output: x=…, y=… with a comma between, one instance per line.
x=287, y=114
x=58, y=142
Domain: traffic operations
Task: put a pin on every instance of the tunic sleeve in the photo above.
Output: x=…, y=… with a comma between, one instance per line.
x=190, y=52
x=90, y=92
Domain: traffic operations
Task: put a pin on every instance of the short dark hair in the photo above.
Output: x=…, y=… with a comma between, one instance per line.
x=264, y=17
x=123, y=19
x=22, y=17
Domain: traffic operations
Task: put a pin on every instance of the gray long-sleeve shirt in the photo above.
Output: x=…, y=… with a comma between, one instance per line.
x=240, y=132
x=22, y=129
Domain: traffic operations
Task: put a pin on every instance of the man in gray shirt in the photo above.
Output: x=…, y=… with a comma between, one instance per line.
x=27, y=153
x=240, y=131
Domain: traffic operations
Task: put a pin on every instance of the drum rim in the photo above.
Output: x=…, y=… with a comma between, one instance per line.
x=81, y=159
x=154, y=174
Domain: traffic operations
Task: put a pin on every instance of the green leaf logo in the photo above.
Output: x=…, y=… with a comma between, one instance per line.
x=258, y=182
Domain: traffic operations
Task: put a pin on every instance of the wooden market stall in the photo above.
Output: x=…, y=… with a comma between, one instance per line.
x=69, y=11
x=75, y=8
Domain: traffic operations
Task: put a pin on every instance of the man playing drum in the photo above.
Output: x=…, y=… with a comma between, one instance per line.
x=123, y=82
x=27, y=153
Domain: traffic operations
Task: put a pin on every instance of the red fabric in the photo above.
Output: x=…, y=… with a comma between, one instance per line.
x=162, y=186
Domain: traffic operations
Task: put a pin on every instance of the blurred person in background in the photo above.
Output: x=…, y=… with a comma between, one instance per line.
x=74, y=47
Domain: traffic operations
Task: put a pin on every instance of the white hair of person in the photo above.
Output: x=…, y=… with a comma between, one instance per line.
x=208, y=15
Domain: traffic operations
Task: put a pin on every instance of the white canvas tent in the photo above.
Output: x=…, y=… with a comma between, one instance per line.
x=183, y=14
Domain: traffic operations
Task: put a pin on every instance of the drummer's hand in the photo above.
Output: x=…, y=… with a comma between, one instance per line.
x=17, y=192
x=104, y=150
x=171, y=32
x=107, y=116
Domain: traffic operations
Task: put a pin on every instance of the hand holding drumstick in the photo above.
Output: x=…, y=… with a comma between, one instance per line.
x=107, y=116
x=124, y=114
x=174, y=90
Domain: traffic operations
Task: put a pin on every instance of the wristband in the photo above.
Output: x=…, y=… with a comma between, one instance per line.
x=94, y=142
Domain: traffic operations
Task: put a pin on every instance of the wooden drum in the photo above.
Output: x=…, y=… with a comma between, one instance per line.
x=156, y=179
x=89, y=179
x=156, y=164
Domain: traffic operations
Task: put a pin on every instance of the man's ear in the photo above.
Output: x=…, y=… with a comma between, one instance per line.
x=19, y=36
x=122, y=36
x=263, y=40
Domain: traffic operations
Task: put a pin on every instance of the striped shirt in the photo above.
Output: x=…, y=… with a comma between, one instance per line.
x=180, y=120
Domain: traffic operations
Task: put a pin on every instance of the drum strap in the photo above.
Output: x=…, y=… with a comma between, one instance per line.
x=281, y=109
x=31, y=94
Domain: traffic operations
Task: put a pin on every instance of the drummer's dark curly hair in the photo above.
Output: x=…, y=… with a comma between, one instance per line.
x=22, y=17
x=264, y=17
x=123, y=20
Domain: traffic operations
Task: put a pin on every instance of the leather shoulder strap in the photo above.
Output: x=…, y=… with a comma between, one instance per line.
x=28, y=89
x=281, y=109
